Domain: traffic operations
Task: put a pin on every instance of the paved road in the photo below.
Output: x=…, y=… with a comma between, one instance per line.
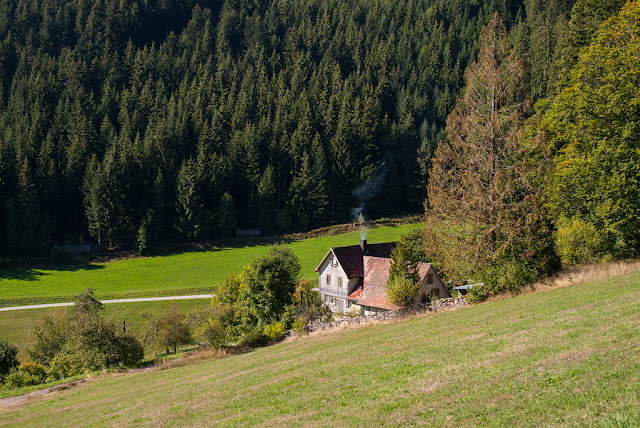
x=141, y=299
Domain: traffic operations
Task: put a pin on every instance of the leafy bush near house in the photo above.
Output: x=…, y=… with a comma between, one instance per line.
x=402, y=291
x=298, y=326
x=216, y=325
x=274, y=331
x=254, y=339
x=509, y=276
x=8, y=358
x=269, y=281
x=255, y=306
x=307, y=302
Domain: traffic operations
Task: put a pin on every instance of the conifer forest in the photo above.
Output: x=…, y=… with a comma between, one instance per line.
x=131, y=122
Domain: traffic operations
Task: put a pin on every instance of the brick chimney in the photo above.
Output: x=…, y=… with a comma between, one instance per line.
x=363, y=244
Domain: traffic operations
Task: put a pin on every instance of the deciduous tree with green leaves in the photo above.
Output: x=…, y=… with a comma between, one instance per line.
x=593, y=127
x=269, y=284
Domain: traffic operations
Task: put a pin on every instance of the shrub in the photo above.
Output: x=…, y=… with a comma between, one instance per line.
x=8, y=358
x=50, y=337
x=308, y=301
x=274, y=331
x=254, y=339
x=402, y=291
x=509, y=276
x=578, y=241
x=63, y=366
x=26, y=374
x=170, y=331
x=288, y=316
x=298, y=326
x=130, y=349
x=87, y=339
x=270, y=282
x=215, y=325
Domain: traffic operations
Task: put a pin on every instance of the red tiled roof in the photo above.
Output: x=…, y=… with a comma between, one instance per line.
x=374, y=289
x=356, y=294
x=350, y=257
x=423, y=268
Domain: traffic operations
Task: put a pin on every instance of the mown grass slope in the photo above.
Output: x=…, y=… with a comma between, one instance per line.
x=568, y=356
x=185, y=272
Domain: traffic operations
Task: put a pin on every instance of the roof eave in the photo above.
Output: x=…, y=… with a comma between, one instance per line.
x=317, y=269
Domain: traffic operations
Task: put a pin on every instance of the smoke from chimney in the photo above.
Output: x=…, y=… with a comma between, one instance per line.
x=366, y=191
x=363, y=244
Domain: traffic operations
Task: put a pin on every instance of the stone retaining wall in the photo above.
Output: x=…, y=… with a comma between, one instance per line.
x=438, y=305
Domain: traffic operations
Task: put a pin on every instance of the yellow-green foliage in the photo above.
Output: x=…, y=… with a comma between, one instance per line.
x=274, y=331
x=26, y=374
x=593, y=127
x=298, y=326
x=577, y=241
x=402, y=291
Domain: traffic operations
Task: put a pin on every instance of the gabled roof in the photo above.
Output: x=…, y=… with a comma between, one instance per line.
x=350, y=257
x=374, y=286
x=373, y=291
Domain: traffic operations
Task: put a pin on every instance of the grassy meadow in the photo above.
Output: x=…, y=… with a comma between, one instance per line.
x=189, y=272
x=569, y=356
x=17, y=326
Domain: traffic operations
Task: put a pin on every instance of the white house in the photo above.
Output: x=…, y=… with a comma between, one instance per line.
x=355, y=278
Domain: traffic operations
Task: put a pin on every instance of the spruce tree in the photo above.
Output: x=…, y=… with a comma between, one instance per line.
x=483, y=209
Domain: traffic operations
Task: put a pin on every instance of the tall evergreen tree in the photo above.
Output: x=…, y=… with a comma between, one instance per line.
x=483, y=210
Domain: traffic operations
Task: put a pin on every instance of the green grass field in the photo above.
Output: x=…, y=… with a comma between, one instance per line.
x=175, y=274
x=17, y=326
x=565, y=357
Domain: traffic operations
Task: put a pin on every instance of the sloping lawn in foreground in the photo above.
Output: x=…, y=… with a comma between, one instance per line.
x=189, y=273
x=567, y=357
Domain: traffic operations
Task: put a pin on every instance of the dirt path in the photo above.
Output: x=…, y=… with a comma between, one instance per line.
x=14, y=401
x=140, y=299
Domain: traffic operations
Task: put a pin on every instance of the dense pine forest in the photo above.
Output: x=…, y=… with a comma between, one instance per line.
x=129, y=122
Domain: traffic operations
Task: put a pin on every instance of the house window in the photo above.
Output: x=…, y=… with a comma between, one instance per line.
x=348, y=303
x=328, y=279
x=340, y=281
x=429, y=278
x=334, y=262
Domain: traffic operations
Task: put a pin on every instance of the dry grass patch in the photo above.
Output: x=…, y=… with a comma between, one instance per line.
x=587, y=274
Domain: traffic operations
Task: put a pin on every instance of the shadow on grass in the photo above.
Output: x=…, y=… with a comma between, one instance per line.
x=25, y=274
x=217, y=245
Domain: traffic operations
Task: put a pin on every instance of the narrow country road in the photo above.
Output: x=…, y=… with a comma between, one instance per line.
x=140, y=299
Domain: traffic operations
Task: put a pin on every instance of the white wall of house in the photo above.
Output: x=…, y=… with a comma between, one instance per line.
x=334, y=285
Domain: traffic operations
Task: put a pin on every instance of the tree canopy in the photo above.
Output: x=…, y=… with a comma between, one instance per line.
x=594, y=128
x=131, y=122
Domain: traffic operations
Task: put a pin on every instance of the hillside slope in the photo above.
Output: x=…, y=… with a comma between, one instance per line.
x=564, y=357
